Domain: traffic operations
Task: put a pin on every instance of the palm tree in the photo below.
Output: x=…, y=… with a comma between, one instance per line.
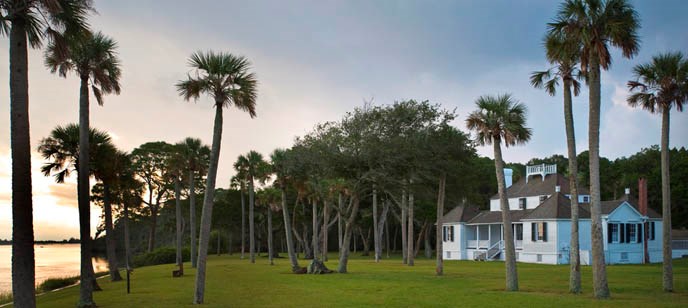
x=660, y=86
x=106, y=168
x=227, y=80
x=595, y=25
x=94, y=60
x=255, y=169
x=501, y=119
x=29, y=23
x=196, y=155
x=277, y=159
x=565, y=56
x=62, y=150
x=238, y=181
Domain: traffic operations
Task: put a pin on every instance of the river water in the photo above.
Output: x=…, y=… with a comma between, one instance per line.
x=55, y=260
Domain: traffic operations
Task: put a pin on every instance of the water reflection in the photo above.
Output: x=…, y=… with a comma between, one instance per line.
x=57, y=260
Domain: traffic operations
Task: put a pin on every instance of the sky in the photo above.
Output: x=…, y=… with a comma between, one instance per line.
x=314, y=61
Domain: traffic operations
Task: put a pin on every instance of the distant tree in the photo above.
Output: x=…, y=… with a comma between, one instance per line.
x=196, y=156
x=227, y=80
x=501, y=119
x=660, y=86
x=277, y=162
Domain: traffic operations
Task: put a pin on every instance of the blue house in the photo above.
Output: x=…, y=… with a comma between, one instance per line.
x=540, y=209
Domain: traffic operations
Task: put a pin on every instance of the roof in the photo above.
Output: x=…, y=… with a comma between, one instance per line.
x=537, y=187
x=610, y=206
x=490, y=217
x=557, y=206
x=461, y=213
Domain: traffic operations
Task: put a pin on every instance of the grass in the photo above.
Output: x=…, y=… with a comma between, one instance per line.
x=237, y=283
x=5, y=297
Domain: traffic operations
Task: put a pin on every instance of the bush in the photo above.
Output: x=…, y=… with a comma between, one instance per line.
x=56, y=283
x=5, y=297
x=164, y=255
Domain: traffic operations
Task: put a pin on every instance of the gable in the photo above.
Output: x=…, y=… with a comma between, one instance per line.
x=625, y=212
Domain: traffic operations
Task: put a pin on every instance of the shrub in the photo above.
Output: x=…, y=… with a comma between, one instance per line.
x=5, y=297
x=56, y=283
x=164, y=255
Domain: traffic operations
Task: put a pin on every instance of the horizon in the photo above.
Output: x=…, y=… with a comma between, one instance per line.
x=314, y=62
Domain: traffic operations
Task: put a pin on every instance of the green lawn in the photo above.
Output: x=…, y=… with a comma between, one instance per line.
x=237, y=283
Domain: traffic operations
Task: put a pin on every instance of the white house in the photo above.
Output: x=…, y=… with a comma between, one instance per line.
x=540, y=211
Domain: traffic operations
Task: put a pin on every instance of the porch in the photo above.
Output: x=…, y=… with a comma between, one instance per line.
x=486, y=241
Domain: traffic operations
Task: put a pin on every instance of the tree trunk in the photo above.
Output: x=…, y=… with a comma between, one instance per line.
x=376, y=238
x=251, y=223
x=127, y=242
x=404, y=236
x=288, y=233
x=439, y=262
x=23, y=261
x=410, y=253
x=154, y=225
x=427, y=245
x=509, y=251
x=110, y=235
x=339, y=220
x=387, y=236
x=192, y=217
x=270, y=251
x=421, y=235
x=243, y=221
x=314, y=238
x=365, y=238
x=83, y=187
x=326, y=220
x=575, y=275
x=178, y=214
x=667, y=270
x=348, y=230
x=380, y=227
x=218, y=242
x=599, y=270
x=207, y=213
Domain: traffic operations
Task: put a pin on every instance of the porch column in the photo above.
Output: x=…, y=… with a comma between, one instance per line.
x=477, y=233
x=489, y=236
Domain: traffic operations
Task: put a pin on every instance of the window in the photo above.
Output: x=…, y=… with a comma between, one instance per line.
x=519, y=232
x=586, y=199
x=613, y=233
x=652, y=230
x=538, y=232
x=444, y=233
x=448, y=233
x=451, y=233
x=543, y=198
x=522, y=203
x=631, y=236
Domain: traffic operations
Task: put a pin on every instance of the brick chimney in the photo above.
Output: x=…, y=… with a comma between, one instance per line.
x=642, y=196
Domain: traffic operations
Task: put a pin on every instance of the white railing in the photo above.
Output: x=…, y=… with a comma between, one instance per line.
x=519, y=244
x=679, y=244
x=484, y=244
x=540, y=170
x=472, y=244
x=495, y=249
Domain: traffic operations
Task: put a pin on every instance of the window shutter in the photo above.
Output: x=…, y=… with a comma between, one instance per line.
x=533, y=233
x=444, y=233
x=544, y=231
x=640, y=234
x=452, y=233
x=652, y=230
x=622, y=233
x=628, y=233
x=609, y=233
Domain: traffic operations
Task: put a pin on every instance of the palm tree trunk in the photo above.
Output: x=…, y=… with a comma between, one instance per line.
x=510, y=252
x=326, y=220
x=127, y=242
x=314, y=238
x=667, y=270
x=288, y=233
x=376, y=238
x=178, y=214
x=83, y=187
x=251, y=225
x=439, y=263
x=599, y=270
x=410, y=253
x=270, y=251
x=23, y=261
x=207, y=213
x=243, y=221
x=192, y=219
x=110, y=235
x=339, y=220
x=348, y=232
x=404, y=238
x=575, y=275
